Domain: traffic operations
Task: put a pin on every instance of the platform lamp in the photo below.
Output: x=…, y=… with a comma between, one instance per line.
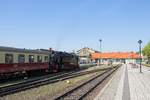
x=100, y=40
x=140, y=42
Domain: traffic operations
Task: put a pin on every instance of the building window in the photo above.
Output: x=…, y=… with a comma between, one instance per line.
x=8, y=58
x=21, y=58
x=84, y=51
x=39, y=59
x=46, y=58
x=31, y=58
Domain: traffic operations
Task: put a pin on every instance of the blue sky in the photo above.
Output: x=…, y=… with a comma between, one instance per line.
x=73, y=24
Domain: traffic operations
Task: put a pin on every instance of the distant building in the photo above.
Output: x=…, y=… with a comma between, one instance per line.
x=85, y=55
x=117, y=57
x=88, y=55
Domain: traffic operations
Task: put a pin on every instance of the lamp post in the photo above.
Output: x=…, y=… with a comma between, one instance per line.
x=100, y=40
x=140, y=42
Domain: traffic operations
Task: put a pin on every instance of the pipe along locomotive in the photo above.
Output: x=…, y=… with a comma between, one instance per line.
x=14, y=61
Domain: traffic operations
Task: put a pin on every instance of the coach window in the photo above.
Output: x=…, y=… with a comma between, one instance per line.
x=39, y=59
x=8, y=58
x=21, y=58
x=46, y=59
x=31, y=58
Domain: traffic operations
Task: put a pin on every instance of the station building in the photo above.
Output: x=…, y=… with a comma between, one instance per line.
x=115, y=57
x=85, y=55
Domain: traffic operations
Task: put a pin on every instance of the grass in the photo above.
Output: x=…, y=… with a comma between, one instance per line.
x=47, y=90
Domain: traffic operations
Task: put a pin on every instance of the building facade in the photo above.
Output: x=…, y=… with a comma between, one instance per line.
x=85, y=55
x=88, y=55
x=115, y=57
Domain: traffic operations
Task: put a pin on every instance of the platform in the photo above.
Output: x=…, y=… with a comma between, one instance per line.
x=127, y=84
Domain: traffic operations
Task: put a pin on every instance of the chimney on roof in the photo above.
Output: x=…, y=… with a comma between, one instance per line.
x=50, y=49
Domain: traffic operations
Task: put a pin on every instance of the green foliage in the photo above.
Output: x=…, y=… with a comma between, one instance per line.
x=146, y=50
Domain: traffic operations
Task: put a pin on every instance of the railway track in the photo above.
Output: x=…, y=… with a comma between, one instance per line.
x=42, y=81
x=82, y=90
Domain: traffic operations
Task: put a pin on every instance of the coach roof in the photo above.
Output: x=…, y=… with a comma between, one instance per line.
x=12, y=49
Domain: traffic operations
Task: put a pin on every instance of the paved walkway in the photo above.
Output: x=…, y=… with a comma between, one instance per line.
x=127, y=84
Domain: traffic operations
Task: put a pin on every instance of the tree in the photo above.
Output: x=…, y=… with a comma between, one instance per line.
x=146, y=51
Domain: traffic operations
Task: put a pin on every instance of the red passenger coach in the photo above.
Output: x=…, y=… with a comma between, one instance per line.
x=14, y=60
x=8, y=68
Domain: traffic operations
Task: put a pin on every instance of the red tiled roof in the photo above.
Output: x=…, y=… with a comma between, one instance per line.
x=117, y=55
